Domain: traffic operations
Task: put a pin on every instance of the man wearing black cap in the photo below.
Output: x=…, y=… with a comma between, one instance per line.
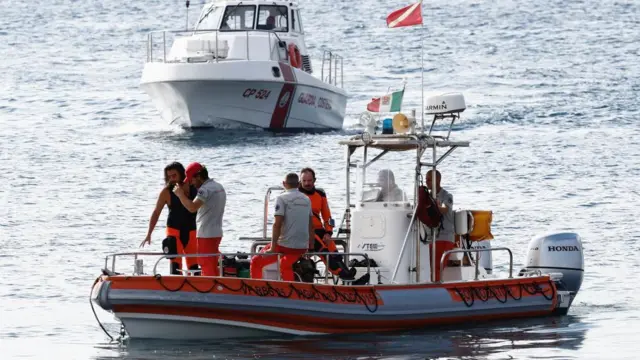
x=209, y=204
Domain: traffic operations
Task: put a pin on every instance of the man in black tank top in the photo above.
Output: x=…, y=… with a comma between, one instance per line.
x=181, y=223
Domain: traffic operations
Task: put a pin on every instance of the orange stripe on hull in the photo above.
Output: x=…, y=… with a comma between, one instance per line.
x=315, y=324
x=451, y=285
x=500, y=292
x=359, y=295
x=347, y=295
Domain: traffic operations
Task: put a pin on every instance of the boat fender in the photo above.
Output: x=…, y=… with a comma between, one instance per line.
x=427, y=211
x=169, y=246
x=294, y=56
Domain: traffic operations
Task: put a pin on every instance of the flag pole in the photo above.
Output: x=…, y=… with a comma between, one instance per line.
x=422, y=70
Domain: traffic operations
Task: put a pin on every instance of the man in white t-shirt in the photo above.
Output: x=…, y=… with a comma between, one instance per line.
x=209, y=204
x=292, y=233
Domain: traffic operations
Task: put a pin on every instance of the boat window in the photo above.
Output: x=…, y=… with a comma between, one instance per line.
x=238, y=17
x=299, y=21
x=273, y=17
x=294, y=21
x=209, y=18
x=383, y=184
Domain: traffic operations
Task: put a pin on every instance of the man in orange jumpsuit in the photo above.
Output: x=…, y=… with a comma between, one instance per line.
x=323, y=225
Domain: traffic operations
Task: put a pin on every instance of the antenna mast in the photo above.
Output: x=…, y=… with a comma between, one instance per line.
x=187, y=25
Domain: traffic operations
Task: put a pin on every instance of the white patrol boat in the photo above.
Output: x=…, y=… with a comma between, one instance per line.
x=244, y=65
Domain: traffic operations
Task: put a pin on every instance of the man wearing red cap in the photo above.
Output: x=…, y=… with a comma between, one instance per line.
x=209, y=204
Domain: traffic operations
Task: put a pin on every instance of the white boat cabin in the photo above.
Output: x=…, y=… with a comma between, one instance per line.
x=245, y=30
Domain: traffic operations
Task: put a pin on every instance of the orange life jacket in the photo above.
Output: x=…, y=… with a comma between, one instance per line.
x=320, y=208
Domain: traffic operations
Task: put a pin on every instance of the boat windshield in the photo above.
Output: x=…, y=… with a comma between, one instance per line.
x=209, y=18
x=238, y=17
x=383, y=184
x=273, y=17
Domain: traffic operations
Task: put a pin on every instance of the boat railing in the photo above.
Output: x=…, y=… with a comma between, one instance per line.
x=333, y=63
x=338, y=242
x=265, y=220
x=476, y=251
x=152, y=43
x=253, y=253
x=135, y=255
x=218, y=255
x=161, y=256
x=265, y=223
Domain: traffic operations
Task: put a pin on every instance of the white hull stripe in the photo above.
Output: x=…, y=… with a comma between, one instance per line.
x=180, y=318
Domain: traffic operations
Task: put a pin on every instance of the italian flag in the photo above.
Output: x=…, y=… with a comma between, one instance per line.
x=388, y=103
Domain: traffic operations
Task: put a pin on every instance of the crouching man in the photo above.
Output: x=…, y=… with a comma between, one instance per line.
x=292, y=232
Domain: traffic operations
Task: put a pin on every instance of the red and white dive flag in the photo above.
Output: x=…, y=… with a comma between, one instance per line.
x=407, y=16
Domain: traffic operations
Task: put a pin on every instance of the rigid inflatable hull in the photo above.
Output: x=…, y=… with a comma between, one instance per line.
x=176, y=307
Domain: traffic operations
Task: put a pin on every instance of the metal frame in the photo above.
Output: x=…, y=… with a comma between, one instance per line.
x=150, y=41
x=404, y=142
x=453, y=117
x=265, y=222
x=338, y=242
x=266, y=209
x=476, y=261
x=331, y=60
x=221, y=255
x=135, y=257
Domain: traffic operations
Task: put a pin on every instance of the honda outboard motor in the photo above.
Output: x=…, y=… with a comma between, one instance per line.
x=558, y=253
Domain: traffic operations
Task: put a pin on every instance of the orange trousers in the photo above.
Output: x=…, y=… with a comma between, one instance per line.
x=191, y=248
x=289, y=257
x=441, y=247
x=209, y=264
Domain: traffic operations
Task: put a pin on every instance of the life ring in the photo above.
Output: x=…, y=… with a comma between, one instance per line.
x=295, y=59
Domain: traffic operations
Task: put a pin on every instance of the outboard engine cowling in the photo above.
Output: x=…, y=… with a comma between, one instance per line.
x=558, y=253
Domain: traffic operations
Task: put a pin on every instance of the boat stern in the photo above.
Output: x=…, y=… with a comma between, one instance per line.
x=565, y=298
